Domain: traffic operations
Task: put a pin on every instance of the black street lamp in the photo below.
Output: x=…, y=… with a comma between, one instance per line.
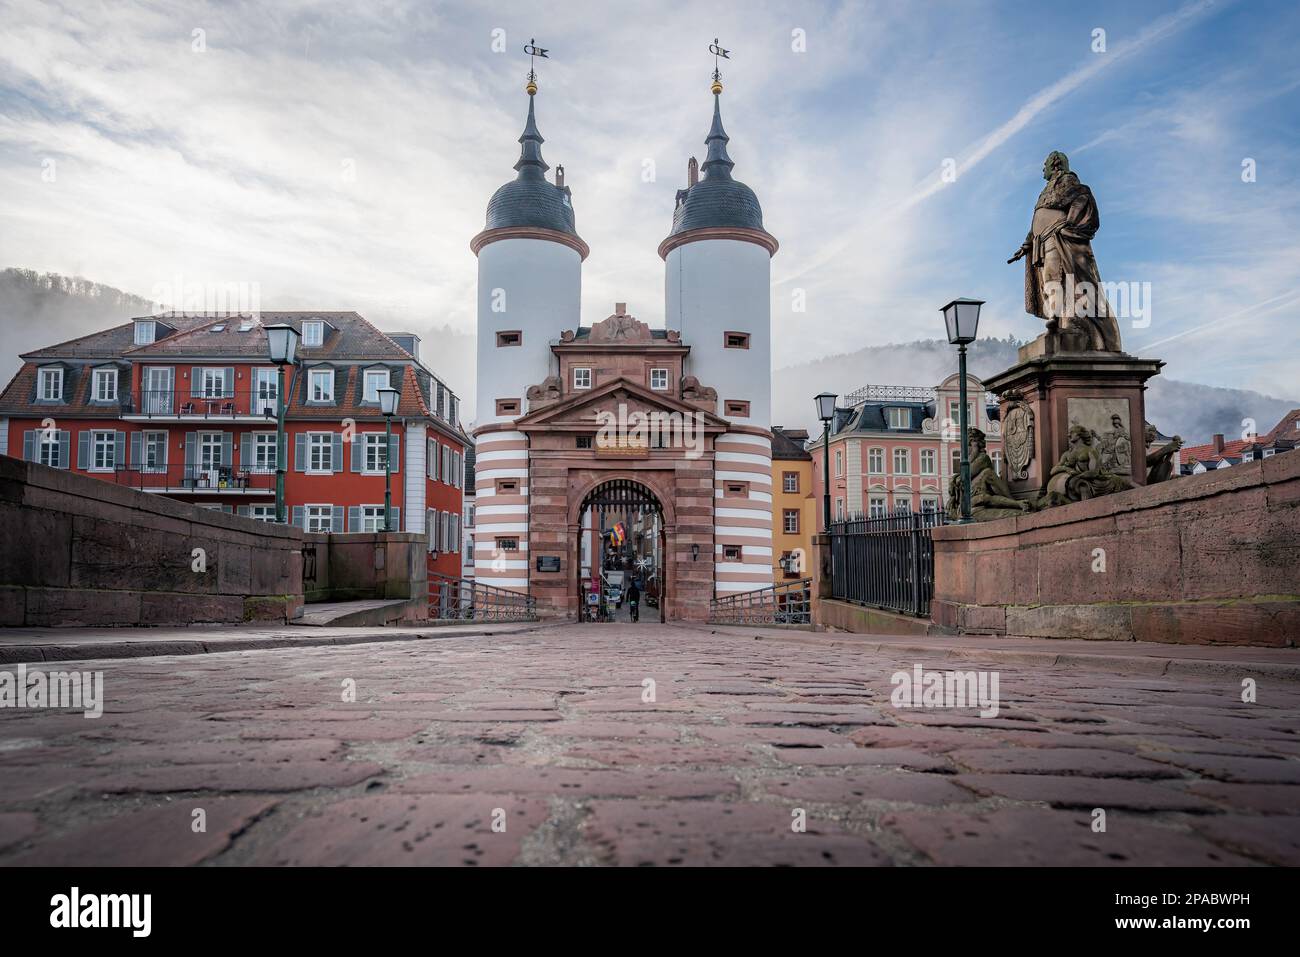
x=388, y=397
x=962, y=317
x=282, y=344
x=826, y=411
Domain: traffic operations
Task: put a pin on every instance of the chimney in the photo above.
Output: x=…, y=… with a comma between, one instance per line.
x=692, y=172
x=559, y=177
x=620, y=309
x=1218, y=444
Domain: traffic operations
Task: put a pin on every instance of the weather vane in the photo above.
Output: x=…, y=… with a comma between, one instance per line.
x=533, y=51
x=716, y=49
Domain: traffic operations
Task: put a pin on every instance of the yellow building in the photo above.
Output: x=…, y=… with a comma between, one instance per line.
x=794, y=509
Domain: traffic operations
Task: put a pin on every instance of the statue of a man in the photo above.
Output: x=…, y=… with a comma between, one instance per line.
x=1062, y=284
x=1160, y=461
x=990, y=496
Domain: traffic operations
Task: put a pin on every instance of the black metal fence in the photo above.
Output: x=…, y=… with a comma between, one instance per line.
x=452, y=598
x=885, y=562
x=789, y=603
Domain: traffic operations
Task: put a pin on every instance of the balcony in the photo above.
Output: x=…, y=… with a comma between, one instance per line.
x=173, y=405
x=195, y=479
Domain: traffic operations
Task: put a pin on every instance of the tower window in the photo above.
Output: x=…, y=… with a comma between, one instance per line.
x=731, y=553
x=584, y=441
x=736, y=340
x=512, y=337
x=582, y=378
x=508, y=544
x=732, y=489
x=507, y=486
x=659, y=380
x=738, y=408
x=507, y=406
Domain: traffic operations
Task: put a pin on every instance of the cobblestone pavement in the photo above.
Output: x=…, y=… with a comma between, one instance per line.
x=538, y=748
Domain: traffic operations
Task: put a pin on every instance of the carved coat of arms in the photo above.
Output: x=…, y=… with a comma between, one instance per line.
x=1018, y=437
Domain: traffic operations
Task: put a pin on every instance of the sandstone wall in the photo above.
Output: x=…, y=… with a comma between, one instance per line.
x=1205, y=559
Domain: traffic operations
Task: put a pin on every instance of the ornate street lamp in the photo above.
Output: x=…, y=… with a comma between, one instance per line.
x=282, y=344
x=826, y=411
x=388, y=397
x=962, y=317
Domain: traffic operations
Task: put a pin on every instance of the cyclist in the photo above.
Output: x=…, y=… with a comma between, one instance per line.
x=634, y=600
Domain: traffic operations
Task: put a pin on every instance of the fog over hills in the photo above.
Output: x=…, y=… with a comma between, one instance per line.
x=40, y=309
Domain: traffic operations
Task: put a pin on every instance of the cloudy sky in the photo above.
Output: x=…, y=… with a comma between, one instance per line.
x=340, y=155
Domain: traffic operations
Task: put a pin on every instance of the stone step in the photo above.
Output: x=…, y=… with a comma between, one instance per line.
x=333, y=614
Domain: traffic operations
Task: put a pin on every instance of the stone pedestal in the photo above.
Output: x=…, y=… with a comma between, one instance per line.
x=1049, y=391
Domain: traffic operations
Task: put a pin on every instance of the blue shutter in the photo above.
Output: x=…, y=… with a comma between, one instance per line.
x=337, y=463
x=299, y=519
x=191, y=455
x=29, y=446
x=246, y=451
x=137, y=439
x=397, y=518
x=65, y=441
x=436, y=452
x=354, y=518
x=395, y=452
x=196, y=382
x=227, y=449
x=243, y=510
x=358, y=452
x=300, y=453
x=83, y=450
x=228, y=509
x=340, y=517
x=228, y=381
x=119, y=452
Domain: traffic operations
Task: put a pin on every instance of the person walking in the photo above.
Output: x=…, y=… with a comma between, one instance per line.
x=634, y=600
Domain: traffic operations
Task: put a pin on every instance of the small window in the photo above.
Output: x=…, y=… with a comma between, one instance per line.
x=507, y=406
x=790, y=521
x=322, y=386
x=732, y=489
x=376, y=379
x=876, y=461
x=736, y=340
x=737, y=408
x=900, y=418
x=927, y=461
x=512, y=337
x=507, y=486
x=584, y=441
x=51, y=385
x=996, y=455
x=105, y=385
x=218, y=328
x=659, y=380
x=313, y=333
x=510, y=544
x=902, y=462
x=732, y=553
x=839, y=463
x=146, y=330
x=790, y=482
x=319, y=518
x=876, y=507
x=582, y=378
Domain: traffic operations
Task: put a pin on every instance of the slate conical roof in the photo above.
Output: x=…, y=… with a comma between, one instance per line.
x=717, y=199
x=530, y=199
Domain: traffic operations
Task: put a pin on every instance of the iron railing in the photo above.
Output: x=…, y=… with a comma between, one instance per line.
x=885, y=562
x=215, y=403
x=452, y=598
x=197, y=478
x=789, y=603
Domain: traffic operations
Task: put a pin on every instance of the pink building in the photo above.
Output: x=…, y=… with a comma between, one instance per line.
x=894, y=448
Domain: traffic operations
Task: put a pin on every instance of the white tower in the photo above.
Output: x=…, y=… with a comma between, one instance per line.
x=529, y=286
x=718, y=293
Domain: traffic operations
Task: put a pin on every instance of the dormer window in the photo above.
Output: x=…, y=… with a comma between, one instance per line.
x=582, y=378
x=50, y=385
x=376, y=379
x=105, y=385
x=320, y=385
x=899, y=418
x=313, y=332
x=146, y=331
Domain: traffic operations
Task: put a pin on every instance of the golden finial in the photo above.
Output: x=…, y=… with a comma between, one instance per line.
x=717, y=86
x=530, y=87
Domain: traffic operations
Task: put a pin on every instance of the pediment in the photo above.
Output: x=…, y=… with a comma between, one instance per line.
x=581, y=410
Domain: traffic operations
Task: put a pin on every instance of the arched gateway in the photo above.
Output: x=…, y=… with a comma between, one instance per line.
x=620, y=540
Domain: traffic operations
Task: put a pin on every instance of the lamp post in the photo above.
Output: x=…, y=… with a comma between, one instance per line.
x=962, y=317
x=826, y=411
x=388, y=397
x=282, y=344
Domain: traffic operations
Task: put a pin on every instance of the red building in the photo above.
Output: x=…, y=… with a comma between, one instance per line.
x=186, y=406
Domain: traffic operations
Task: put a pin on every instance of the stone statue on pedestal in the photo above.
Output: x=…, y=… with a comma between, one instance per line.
x=990, y=497
x=1062, y=283
x=1080, y=475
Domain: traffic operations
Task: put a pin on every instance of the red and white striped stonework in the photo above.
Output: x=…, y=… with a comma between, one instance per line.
x=742, y=521
x=501, y=455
